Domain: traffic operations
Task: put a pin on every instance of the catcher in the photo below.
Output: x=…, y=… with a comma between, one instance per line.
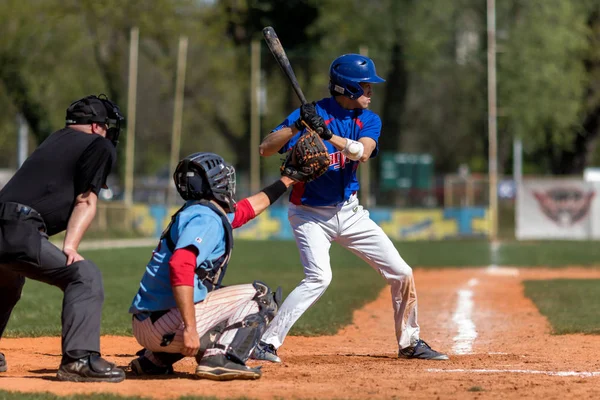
x=181, y=308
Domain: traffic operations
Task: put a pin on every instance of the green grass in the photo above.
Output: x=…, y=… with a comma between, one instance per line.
x=553, y=253
x=277, y=264
x=5, y=395
x=571, y=305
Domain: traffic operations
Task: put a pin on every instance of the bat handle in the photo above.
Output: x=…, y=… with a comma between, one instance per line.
x=319, y=131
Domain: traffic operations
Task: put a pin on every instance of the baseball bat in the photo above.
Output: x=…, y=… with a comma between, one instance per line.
x=283, y=61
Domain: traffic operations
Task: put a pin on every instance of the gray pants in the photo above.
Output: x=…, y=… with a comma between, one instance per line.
x=81, y=283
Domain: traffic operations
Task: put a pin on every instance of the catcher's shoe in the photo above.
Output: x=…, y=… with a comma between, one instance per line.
x=91, y=368
x=143, y=366
x=3, y=366
x=220, y=368
x=265, y=351
x=423, y=351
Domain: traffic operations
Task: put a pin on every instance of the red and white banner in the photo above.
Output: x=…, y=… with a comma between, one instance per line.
x=558, y=209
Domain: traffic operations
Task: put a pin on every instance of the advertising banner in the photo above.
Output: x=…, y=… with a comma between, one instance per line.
x=558, y=209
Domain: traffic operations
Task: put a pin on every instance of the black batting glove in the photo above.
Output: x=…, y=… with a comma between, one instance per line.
x=309, y=115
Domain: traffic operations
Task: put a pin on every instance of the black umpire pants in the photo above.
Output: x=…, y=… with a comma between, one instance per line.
x=81, y=283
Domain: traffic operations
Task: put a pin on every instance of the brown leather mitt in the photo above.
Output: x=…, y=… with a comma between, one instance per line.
x=308, y=159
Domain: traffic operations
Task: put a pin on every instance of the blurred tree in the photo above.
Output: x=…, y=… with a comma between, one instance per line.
x=542, y=77
x=433, y=55
x=578, y=155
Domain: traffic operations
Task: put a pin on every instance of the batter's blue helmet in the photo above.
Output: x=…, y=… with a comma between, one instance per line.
x=206, y=176
x=346, y=73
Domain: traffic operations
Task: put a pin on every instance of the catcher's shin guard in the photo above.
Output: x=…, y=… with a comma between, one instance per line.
x=252, y=327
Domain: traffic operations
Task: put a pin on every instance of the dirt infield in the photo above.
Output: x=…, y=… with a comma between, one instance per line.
x=500, y=347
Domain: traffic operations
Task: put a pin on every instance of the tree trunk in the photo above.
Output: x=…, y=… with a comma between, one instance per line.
x=32, y=110
x=394, y=99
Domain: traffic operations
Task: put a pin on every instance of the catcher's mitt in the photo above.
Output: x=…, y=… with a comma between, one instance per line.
x=308, y=158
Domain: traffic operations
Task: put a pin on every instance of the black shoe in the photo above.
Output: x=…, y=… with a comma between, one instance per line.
x=423, y=351
x=143, y=366
x=91, y=368
x=3, y=366
x=221, y=368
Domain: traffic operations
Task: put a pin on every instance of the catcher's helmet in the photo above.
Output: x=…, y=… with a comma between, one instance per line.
x=206, y=176
x=348, y=71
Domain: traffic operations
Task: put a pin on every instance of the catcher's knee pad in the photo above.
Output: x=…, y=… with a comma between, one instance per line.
x=268, y=301
x=252, y=327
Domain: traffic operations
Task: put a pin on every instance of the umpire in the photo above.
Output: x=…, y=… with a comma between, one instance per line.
x=56, y=190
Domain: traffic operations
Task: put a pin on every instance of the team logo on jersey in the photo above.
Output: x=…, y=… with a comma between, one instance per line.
x=337, y=160
x=198, y=240
x=563, y=205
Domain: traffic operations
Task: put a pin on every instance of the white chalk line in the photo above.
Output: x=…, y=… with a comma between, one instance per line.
x=462, y=317
x=582, y=374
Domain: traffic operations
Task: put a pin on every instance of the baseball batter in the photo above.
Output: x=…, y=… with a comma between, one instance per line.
x=181, y=309
x=327, y=209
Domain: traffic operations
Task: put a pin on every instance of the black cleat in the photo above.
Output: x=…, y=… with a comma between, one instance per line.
x=221, y=368
x=91, y=368
x=422, y=351
x=3, y=366
x=143, y=366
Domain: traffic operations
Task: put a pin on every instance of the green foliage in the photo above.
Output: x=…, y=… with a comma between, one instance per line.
x=542, y=77
x=433, y=54
x=571, y=305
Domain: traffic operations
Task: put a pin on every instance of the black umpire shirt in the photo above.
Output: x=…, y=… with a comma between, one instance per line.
x=66, y=164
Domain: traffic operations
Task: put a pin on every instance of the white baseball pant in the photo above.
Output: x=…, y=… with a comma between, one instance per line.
x=231, y=303
x=350, y=225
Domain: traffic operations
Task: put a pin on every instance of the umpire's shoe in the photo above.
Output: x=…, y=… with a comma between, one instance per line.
x=265, y=351
x=221, y=368
x=423, y=351
x=3, y=366
x=90, y=368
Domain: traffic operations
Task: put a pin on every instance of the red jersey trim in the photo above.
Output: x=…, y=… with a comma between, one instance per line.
x=243, y=213
x=182, y=266
x=359, y=123
x=297, y=192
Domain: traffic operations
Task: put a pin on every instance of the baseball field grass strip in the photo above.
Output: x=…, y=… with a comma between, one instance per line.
x=571, y=305
x=5, y=395
x=275, y=263
x=554, y=253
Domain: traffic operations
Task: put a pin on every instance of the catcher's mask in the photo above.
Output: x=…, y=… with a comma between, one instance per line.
x=348, y=71
x=206, y=176
x=97, y=109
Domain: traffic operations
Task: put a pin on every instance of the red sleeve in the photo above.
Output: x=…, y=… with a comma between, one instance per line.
x=182, y=266
x=243, y=213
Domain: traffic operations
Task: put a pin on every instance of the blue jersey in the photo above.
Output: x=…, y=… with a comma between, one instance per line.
x=339, y=182
x=196, y=225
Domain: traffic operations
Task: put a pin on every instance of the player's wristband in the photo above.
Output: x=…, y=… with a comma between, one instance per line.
x=298, y=124
x=275, y=191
